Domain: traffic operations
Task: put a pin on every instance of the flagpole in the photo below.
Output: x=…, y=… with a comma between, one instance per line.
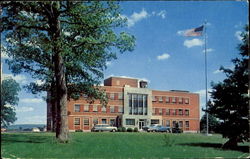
x=205, y=39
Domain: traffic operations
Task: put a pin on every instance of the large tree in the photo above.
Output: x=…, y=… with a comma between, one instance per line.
x=66, y=44
x=213, y=124
x=9, y=98
x=230, y=98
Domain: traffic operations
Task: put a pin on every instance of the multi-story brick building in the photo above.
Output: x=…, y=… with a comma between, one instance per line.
x=132, y=104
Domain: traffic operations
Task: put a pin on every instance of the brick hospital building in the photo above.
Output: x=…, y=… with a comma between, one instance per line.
x=131, y=104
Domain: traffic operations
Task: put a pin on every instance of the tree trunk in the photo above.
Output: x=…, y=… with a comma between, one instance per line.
x=232, y=143
x=62, y=132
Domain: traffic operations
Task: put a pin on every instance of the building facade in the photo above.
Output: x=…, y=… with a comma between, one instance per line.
x=131, y=104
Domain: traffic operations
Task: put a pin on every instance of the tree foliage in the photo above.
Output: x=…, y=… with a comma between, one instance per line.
x=9, y=98
x=66, y=44
x=230, y=98
x=213, y=124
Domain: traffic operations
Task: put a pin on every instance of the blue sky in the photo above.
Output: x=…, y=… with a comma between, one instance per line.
x=162, y=55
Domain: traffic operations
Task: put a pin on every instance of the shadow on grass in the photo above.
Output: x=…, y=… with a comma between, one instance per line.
x=23, y=138
x=244, y=149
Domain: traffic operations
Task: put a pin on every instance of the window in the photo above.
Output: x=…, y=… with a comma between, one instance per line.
x=155, y=121
x=174, y=124
x=138, y=104
x=173, y=99
x=187, y=124
x=86, y=121
x=175, y=111
x=160, y=111
x=77, y=107
x=130, y=121
x=186, y=101
x=86, y=108
x=120, y=109
x=153, y=99
x=153, y=111
x=180, y=112
x=77, y=121
x=104, y=121
x=187, y=112
x=145, y=104
x=112, y=96
x=95, y=121
x=167, y=111
x=180, y=100
x=167, y=123
x=180, y=124
x=160, y=99
x=103, y=109
x=112, y=109
x=130, y=103
x=112, y=122
x=120, y=96
x=95, y=108
x=167, y=100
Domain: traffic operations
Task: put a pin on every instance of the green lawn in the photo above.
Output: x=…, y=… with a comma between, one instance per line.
x=117, y=145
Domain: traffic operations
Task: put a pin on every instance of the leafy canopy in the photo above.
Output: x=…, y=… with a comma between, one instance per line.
x=9, y=98
x=88, y=40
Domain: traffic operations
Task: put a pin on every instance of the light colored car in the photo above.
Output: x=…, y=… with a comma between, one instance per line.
x=103, y=127
x=153, y=127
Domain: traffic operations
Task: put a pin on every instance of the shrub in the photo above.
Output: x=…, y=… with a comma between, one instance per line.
x=119, y=129
x=135, y=129
x=129, y=130
x=168, y=140
x=78, y=130
x=123, y=129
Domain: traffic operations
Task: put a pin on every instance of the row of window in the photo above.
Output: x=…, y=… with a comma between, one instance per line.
x=166, y=99
x=157, y=121
x=163, y=111
x=115, y=96
x=87, y=108
x=86, y=121
x=138, y=104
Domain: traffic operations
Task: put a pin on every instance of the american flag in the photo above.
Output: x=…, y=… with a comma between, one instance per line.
x=194, y=32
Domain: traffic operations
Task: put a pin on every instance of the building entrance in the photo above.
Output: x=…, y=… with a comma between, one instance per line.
x=141, y=123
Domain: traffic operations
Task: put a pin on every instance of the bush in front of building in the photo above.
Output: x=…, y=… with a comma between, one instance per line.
x=123, y=129
x=78, y=130
x=129, y=130
x=135, y=129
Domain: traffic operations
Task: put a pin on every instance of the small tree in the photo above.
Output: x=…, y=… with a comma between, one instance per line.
x=213, y=124
x=230, y=98
x=9, y=98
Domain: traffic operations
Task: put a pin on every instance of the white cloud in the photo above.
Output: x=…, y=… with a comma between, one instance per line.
x=163, y=56
x=32, y=100
x=203, y=92
x=24, y=109
x=193, y=42
x=162, y=14
x=217, y=71
x=237, y=35
x=108, y=63
x=18, y=78
x=136, y=17
x=39, y=82
x=209, y=50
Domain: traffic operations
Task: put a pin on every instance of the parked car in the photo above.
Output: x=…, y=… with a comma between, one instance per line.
x=153, y=127
x=163, y=129
x=103, y=127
